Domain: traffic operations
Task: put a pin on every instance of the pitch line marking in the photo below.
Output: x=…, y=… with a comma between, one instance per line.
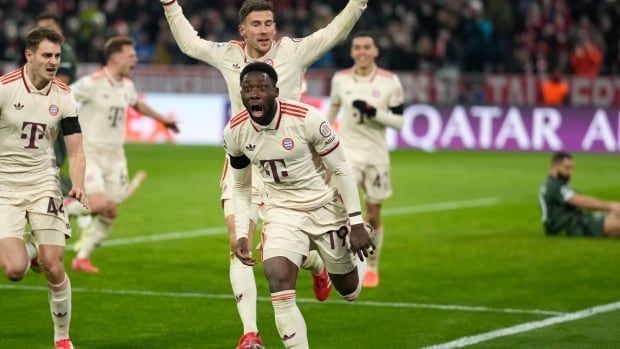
x=375, y=304
x=527, y=326
x=396, y=211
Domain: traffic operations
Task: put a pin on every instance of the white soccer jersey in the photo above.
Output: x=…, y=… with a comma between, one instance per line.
x=365, y=142
x=29, y=122
x=287, y=154
x=103, y=106
x=290, y=57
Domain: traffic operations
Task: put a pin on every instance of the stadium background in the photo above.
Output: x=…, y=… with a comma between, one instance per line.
x=465, y=254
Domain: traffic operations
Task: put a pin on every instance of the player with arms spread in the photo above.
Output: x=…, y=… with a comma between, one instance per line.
x=290, y=57
x=34, y=105
x=372, y=99
x=105, y=97
x=290, y=143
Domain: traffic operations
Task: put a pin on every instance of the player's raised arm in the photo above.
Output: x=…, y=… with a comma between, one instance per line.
x=313, y=46
x=187, y=37
x=145, y=109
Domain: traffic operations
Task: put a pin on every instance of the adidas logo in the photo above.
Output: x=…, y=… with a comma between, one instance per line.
x=18, y=106
x=250, y=147
x=287, y=337
x=236, y=66
x=239, y=297
x=60, y=314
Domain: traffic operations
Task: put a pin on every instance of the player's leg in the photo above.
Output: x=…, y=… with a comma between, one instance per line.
x=321, y=283
x=611, y=224
x=284, y=245
x=50, y=231
x=104, y=214
x=243, y=284
x=377, y=187
x=14, y=256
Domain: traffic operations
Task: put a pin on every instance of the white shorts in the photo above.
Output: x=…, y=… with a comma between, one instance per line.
x=290, y=233
x=106, y=173
x=374, y=181
x=44, y=211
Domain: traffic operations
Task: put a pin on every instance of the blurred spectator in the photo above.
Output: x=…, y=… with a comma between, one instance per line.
x=554, y=89
x=586, y=59
x=504, y=36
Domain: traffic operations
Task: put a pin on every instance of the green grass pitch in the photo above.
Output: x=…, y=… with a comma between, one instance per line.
x=175, y=293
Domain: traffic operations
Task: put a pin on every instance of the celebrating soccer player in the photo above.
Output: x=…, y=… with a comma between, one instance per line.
x=34, y=106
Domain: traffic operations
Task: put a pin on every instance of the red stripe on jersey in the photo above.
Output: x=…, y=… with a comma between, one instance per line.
x=293, y=106
x=60, y=83
x=225, y=170
x=384, y=72
x=295, y=114
x=239, y=122
x=238, y=115
x=4, y=82
x=11, y=75
x=331, y=150
x=62, y=87
x=24, y=80
x=170, y=3
x=236, y=119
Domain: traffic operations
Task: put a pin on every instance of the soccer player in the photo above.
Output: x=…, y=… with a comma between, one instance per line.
x=105, y=97
x=290, y=57
x=372, y=99
x=66, y=73
x=563, y=208
x=34, y=105
x=290, y=143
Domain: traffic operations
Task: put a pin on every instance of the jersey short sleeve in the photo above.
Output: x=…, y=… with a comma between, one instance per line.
x=320, y=134
x=334, y=93
x=397, y=97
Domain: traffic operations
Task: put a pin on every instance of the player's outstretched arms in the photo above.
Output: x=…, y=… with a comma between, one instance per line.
x=592, y=203
x=187, y=37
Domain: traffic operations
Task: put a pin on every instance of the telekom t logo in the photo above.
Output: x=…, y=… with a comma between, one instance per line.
x=273, y=166
x=35, y=133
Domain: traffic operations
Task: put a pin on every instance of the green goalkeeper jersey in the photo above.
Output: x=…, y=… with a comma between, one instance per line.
x=557, y=213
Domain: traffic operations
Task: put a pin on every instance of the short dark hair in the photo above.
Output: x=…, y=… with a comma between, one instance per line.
x=262, y=68
x=115, y=44
x=255, y=5
x=559, y=156
x=37, y=35
x=362, y=34
x=48, y=15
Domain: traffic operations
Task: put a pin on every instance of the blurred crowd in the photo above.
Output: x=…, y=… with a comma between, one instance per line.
x=578, y=37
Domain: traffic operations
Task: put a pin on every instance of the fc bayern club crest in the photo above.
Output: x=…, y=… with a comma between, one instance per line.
x=53, y=109
x=288, y=143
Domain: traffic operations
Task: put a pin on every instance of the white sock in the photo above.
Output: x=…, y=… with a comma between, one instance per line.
x=31, y=249
x=377, y=239
x=313, y=263
x=60, y=306
x=93, y=236
x=75, y=208
x=289, y=321
x=244, y=290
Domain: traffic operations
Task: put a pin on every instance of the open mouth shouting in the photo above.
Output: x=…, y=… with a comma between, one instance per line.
x=256, y=110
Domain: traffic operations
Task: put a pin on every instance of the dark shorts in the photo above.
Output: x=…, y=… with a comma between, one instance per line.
x=587, y=224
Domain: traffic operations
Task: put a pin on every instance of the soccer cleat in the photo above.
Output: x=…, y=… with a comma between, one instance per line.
x=83, y=264
x=371, y=279
x=321, y=285
x=251, y=340
x=64, y=344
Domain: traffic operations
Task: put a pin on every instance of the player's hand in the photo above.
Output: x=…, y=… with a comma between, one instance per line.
x=360, y=241
x=78, y=193
x=242, y=251
x=171, y=124
x=366, y=110
x=614, y=207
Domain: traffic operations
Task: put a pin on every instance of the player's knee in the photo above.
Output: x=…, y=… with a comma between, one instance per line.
x=15, y=272
x=111, y=210
x=279, y=281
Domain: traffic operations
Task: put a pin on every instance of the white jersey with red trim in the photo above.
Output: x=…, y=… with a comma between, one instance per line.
x=364, y=141
x=29, y=122
x=103, y=107
x=290, y=57
x=287, y=154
